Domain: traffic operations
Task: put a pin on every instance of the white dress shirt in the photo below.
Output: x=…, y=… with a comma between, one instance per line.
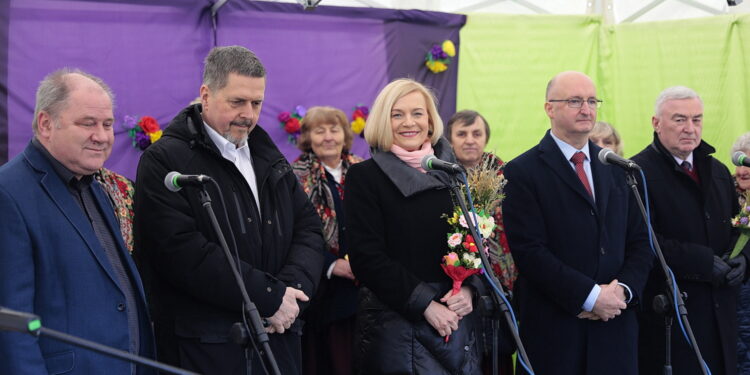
x=239, y=156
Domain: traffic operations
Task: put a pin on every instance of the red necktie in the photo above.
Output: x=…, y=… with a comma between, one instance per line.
x=691, y=171
x=577, y=159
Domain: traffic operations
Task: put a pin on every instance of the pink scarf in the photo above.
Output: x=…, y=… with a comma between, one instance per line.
x=413, y=158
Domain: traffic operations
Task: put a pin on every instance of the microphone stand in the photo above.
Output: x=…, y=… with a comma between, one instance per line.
x=673, y=291
x=499, y=303
x=255, y=326
x=28, y=323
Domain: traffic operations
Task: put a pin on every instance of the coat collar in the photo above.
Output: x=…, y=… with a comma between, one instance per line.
x=701, y=160
x=410, y=181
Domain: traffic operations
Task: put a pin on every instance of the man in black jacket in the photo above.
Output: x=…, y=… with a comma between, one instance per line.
x=692, y=199
x=267, y=219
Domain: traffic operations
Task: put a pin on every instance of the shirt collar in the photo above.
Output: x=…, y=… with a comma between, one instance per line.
x=228, y=149
x=569, y=150
x=688, y=159
x=65, y=174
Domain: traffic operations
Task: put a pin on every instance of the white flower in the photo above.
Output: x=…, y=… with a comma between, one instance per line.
x=486, y=226
x=462, y=219
x=455, y=240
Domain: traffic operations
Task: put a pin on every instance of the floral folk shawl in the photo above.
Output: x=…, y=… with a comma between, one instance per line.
x=120, y=191
x=500, y=257
x=311, y=173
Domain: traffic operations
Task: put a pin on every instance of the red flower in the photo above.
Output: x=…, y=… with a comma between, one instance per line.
x=469, y=244
x=292, y=126
x=284, y=116
x=358, y=113
x=148, y=124
x=122, y=186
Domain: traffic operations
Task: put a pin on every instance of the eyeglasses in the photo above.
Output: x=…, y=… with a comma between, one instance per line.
x=578, y=102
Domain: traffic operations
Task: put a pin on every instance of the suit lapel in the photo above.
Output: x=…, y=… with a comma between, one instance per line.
x=554, y=158
x=58, y=193
x=602, y=176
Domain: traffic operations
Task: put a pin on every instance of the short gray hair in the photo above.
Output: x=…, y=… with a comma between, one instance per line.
x=222, y=61
x=54, y=90
x=742, y=144
x=674, y=93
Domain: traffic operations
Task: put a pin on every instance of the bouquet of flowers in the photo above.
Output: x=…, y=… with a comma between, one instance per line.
x=486, y=187
x=358, y=118
x=290, y=122
x=143, y=131
x=742, y=221
x=439, y=57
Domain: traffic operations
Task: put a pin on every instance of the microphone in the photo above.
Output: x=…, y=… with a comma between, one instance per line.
x=16, y=321
x=174, y=181
x=739, y=159
x=607, y=156
x=431, y=162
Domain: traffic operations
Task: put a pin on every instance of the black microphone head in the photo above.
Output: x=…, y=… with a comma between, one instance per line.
x=170, y=183
x=738, y=157
x=427, y=162
x=603, y=155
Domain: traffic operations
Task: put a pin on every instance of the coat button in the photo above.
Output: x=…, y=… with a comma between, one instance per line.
x=249, y=220
x=592, y=212
x=466, y=348
x=708, y=216
x=299, y=285
x=269, y=222
x=268, y=289
x=602, y=250
x=120, y=306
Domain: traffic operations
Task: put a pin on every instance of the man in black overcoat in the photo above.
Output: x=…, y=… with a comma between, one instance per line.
x=270, y=226
x=692, y=199
x=579, y=242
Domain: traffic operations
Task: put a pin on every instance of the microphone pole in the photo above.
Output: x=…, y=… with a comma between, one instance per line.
x=672, y=288
x=255, y=325
x=499, y=302
x=28, y=323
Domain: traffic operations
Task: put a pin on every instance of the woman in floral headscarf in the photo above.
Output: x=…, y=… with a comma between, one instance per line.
x=325, y=139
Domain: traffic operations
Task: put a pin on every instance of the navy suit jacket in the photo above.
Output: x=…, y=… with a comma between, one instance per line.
x=563, y=243
x=52, y=265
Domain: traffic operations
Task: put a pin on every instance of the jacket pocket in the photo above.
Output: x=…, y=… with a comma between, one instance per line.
x=60, y=363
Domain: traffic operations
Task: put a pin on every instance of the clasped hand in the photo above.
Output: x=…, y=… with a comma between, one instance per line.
x=609, y=304
x=287, y=312
x=444, y=318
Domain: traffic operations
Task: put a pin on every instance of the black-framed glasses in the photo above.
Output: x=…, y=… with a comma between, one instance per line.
x=578, y=102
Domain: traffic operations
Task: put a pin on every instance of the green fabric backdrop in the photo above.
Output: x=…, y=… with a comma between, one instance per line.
x=506, y=62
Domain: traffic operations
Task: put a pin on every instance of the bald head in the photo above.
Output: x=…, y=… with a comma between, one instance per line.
x=570, y=122
x=564, y=79
x=54, y=90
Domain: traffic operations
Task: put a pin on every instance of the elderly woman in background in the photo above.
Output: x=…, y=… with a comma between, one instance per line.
x=325, y=140
x=742, y=183
x=605, y=135
x=396, y=217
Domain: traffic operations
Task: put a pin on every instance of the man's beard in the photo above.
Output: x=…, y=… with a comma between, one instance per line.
x=238, y=141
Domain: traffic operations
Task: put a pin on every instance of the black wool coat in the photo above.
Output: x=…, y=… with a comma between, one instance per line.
x=194, y=297
x=397, y=238
x=692, y=223
x=564, y=243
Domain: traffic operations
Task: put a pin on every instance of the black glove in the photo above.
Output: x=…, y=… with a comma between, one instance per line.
x=720, y=271
x=737, y=274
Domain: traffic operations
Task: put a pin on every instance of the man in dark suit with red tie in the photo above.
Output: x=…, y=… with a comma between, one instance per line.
x=579, y=242
x=692, y=202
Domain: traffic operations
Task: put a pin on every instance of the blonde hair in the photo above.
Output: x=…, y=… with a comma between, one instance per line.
x=317, y=116
x=378, y=132
x=604, y=130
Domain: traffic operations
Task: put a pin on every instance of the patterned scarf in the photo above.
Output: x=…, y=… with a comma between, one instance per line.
x=311, y=173
x=120, y=191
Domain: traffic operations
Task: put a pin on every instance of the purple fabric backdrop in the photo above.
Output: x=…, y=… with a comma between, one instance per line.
x=340, y=56
x=149, y=54
x=151, y=51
